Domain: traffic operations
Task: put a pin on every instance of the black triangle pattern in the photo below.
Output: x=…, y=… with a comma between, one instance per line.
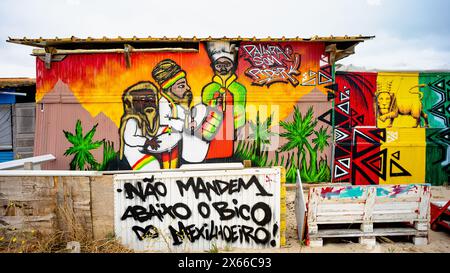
x=402, y=172
x=380, y=157
x=358, y=136
x=327, y=117
x=396, y=155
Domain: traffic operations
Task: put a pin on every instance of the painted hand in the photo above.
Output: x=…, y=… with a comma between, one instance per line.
x=153, y=143
x=219, y=103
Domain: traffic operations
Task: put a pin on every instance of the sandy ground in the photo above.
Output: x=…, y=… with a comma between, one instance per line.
x=438, y=241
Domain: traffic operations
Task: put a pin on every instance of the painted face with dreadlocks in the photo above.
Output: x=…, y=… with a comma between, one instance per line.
x=181, y=92
x=145, y=104
x=172, y=80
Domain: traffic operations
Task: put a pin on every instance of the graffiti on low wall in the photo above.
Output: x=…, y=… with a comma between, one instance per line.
x=199, y=210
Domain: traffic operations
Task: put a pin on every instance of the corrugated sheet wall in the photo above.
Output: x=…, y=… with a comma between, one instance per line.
x=264, y=86
x=409, y=141
x=24, y=118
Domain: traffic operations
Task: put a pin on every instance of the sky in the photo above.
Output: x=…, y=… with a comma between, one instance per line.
x=410, y=34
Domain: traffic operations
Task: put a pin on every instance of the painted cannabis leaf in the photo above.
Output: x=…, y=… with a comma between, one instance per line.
x=81, y=149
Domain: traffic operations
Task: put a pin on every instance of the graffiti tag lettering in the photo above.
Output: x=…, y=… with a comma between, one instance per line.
x=271, y=64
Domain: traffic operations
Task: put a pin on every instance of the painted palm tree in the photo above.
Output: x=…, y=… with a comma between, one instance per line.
x=321, y=142
x=297, y=133
x=82, y=145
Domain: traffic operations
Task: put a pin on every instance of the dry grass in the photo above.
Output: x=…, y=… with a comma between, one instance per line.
x=31, y=241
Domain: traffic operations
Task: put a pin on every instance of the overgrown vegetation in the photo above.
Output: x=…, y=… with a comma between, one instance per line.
x=213, y=249
x=31, y=241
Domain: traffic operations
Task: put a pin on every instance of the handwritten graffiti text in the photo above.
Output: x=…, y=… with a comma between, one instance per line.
x=271, y=64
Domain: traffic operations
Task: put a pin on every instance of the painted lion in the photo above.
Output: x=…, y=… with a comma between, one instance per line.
x=390, y=106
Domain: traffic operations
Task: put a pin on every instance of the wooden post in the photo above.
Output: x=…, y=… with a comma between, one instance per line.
x=247, y=163
x=48, y=60
x=367, y=225
x=127, y=50
x=49, y=51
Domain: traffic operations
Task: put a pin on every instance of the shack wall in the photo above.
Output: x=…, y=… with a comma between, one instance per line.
x=264, y=83
x=399, y=135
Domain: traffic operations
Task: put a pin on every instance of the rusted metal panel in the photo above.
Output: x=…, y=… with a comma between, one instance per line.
x=153, y=210
x=24, y=118
x=54, y=118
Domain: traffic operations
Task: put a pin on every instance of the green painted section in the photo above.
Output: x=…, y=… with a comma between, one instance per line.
x=438, y=156
x=436, y=101
x=436, y=104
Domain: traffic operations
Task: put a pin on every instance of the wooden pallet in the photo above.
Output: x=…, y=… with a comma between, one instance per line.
x=368, y=207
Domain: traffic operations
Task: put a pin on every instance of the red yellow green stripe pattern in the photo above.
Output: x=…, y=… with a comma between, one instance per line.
x=211, y=125
x=170, y=159
x=143, y=161
x=167, y=130
x=168, y=83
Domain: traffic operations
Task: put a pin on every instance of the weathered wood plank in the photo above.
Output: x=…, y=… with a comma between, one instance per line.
x=411, y=206
x=321, y=208
x=424, y=205
x=353, y=232
x=300, y=207
x=102, y=205
x=336, y=218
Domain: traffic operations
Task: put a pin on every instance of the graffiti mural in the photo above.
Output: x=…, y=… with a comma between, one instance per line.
x=383, y=156
x=353, y=106
x=436, y=98
x=227, y=95
x=394, y=149
x=227, y=102
x=297, y=134
x=399, y=101
x=241, y=209
x=354, y=100
x=438, y=156
x=267, y=102
x=82, y=146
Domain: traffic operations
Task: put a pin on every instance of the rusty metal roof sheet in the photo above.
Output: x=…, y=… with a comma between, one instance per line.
x=60, y=42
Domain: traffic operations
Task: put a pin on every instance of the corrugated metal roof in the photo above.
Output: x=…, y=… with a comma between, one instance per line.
x=55, y=42
x=16, y=82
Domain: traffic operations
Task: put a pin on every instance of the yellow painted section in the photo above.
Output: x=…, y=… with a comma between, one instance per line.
x=403, y=90
x=283, y=206
x=406, y=148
